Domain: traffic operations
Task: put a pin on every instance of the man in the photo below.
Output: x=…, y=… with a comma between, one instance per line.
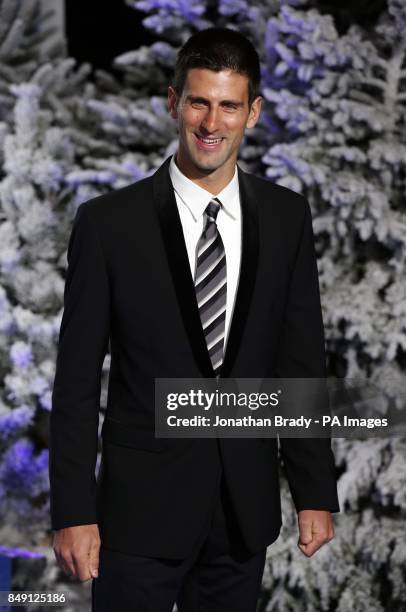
x=201, y=270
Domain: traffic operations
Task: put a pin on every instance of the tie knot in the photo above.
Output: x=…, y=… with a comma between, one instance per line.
x=212, y=209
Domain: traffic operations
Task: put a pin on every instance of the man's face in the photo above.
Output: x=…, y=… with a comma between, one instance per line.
x=212, y=115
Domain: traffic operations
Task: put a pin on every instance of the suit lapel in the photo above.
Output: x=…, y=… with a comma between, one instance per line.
x=172, y=233
x=248, y=270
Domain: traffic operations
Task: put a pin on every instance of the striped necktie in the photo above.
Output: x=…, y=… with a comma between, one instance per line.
x=211, y=284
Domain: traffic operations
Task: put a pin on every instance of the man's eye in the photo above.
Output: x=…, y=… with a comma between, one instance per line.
x=230, y=106
x=197, y=103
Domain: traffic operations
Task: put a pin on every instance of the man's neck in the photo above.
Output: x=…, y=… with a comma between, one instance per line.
x=214, y=182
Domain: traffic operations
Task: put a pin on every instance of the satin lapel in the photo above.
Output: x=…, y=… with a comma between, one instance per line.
x=172, y=233
x=248, y=269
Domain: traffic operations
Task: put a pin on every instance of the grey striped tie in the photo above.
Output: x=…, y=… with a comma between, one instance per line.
x=211, y=284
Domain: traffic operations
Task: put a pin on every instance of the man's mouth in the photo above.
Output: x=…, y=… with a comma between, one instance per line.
x=206, y=142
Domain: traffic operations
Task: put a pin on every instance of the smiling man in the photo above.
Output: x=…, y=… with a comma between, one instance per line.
x=201, y=270
x=213, y=109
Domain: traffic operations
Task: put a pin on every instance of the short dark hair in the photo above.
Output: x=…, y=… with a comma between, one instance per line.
x=219, y=49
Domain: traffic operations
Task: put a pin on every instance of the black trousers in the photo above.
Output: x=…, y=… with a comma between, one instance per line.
x=219, y=576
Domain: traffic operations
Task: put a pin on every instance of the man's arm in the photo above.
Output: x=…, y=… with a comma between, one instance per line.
x=309, y=462
x=83, y=342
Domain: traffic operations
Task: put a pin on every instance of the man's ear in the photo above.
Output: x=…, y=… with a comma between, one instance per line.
x=172, y=102
x=255, y=111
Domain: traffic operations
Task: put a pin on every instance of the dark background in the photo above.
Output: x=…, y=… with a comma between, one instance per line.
x=98, y=31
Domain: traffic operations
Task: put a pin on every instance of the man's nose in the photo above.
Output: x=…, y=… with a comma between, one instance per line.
x=211, y=121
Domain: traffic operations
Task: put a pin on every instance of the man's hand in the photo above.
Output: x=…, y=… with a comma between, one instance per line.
x=77, y=550
x=315, y=529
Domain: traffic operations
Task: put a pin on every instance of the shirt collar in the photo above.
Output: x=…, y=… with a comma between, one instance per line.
x=196, y=199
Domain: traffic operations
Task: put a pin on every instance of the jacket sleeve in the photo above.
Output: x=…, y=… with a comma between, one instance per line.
x=83, y=342
x=309, y=462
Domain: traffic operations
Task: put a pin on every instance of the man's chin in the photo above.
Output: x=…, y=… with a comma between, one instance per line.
x=208, y=165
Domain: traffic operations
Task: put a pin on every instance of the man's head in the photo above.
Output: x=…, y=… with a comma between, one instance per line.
x=214, y=98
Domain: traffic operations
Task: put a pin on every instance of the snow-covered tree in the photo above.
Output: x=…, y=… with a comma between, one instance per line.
x=41, y=146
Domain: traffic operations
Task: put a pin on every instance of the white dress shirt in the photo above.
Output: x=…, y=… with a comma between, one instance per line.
x=192, y=201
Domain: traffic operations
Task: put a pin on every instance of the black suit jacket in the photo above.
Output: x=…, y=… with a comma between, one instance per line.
x=129, y=281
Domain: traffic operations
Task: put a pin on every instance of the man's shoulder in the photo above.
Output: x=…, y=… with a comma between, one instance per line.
x=275, y=195
x=113, y=202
